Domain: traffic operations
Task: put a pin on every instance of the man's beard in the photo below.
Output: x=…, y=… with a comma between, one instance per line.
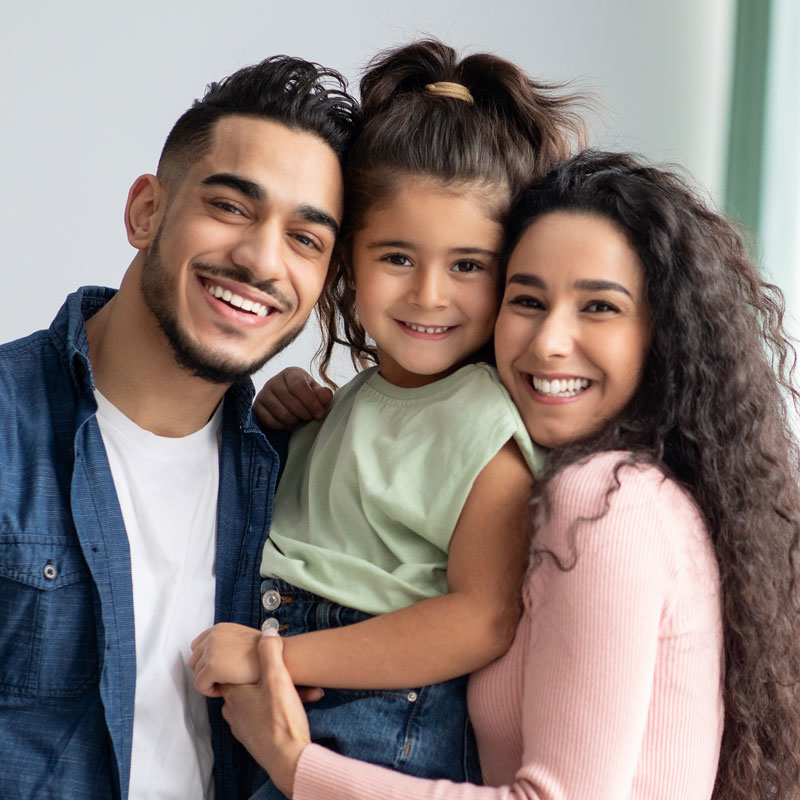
x=158, y=292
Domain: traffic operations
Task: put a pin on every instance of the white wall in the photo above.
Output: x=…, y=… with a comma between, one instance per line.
x=90, y=90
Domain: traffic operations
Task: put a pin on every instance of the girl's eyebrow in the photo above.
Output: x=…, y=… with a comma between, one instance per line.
x=526, y=279
x=457, y=251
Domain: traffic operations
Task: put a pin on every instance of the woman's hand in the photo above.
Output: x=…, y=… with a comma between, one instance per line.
x=268, y=717
x=291, y=397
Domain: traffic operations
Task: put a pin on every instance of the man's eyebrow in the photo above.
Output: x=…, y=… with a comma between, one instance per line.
x=255, y=192
x=243, y=185
x=318, y=217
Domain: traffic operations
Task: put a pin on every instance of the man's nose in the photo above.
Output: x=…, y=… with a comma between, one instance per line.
x=261, y=251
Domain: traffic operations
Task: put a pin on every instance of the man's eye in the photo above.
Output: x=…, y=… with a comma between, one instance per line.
x=228, y=208
x=306, y=241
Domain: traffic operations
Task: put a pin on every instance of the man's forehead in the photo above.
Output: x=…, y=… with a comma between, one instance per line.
x=267, y=152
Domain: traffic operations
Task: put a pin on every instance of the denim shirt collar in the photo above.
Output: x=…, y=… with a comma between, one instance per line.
x=68, y=333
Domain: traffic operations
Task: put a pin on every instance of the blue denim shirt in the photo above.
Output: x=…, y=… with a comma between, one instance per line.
x=67, y=650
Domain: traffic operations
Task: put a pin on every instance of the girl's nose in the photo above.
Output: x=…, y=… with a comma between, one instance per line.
x=429, y=289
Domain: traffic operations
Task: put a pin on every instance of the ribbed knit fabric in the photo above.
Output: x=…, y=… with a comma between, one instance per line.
x=612, y=687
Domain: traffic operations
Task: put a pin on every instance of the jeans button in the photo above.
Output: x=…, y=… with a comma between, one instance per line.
x=50, y=571
x=271, y=599
x=270, y=623
x=412, y=697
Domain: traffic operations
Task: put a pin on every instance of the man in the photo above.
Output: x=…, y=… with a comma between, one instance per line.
x=135, y=487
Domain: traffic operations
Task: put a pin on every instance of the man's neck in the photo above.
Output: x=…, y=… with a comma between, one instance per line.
x=134, y=369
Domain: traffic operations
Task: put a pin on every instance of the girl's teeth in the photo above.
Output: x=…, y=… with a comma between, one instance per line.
x=235, y=300
x=560, y=387
x=423, y=329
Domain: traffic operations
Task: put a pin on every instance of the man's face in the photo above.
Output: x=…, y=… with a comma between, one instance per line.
x=242, y=250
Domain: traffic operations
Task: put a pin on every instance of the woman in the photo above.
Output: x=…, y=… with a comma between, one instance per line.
x=661, y=627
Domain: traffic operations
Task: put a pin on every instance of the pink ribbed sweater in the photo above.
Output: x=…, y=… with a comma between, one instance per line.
x=612, y=687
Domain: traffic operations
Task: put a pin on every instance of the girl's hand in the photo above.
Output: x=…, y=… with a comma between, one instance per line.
x=291, y=397
x=268, y=718
x=226, y=653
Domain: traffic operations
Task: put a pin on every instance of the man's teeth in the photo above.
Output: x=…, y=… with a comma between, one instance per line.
x=236, y=300
x=423, y=329
x=563, y=387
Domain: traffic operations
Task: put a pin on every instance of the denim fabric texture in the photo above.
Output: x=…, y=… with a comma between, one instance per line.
x=422, y=731
x=67, y=651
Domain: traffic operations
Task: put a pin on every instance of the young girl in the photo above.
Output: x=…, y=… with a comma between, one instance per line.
x=396, y=549
x=659, y=650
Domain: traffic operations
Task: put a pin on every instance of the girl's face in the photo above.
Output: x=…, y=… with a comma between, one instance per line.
x=573, y=329
x=425, y=266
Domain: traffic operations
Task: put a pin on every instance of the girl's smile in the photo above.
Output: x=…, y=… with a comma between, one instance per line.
x=425, y=265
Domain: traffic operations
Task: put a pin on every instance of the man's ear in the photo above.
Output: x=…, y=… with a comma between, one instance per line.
x=143, y=210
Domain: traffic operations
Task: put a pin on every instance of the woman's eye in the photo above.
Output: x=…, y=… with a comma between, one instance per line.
x=398, y=259
x=527, y=302
x=600, y=307
x=467, y=266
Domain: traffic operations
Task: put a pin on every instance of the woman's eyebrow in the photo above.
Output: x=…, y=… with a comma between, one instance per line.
x=601, y=286
x=526, y=279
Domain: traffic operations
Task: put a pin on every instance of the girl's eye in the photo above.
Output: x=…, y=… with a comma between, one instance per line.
x=601, y=307
x=527, y=302
x=467, y=266
x=398, y=259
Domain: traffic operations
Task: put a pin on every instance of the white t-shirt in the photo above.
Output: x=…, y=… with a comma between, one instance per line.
x=167, y=490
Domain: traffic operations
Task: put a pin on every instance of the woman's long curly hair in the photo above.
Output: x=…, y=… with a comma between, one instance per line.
x=715, y=410
x=513, y=129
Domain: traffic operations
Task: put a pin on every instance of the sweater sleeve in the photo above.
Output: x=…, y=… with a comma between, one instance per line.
x=587, y=651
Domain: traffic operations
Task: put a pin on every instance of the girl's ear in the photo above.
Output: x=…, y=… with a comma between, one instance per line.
x=143, y=210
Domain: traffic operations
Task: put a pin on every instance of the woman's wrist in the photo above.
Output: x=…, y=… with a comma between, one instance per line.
x=286, y=771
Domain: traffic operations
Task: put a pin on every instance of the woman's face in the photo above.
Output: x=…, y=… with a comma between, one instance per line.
x=574, y=328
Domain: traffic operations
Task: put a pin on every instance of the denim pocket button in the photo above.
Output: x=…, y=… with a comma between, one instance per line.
x=270, y=623
x=271, y=599
x=412, y=697
x=50, y=572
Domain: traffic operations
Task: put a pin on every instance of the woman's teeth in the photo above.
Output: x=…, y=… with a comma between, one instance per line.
x=423, y=329
x=560, y=387
x=236, y=300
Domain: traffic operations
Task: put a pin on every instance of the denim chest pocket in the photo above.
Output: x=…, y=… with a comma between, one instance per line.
x=48, y=639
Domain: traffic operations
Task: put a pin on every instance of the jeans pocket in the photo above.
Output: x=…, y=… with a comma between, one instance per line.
x=48, y=640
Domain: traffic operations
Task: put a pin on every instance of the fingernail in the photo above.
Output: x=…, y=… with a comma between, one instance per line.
x=269, y=632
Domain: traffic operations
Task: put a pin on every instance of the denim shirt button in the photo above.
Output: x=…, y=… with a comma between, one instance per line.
x=50, y=572
x=271, y=599
x=412, y=697
x=270, y=623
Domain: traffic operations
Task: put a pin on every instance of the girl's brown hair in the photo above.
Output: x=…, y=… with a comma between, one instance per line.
x=514, y=129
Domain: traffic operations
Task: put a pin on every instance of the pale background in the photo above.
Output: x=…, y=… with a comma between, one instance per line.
x=91, y=89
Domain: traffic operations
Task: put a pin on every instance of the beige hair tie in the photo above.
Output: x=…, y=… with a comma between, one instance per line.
x=447, y=89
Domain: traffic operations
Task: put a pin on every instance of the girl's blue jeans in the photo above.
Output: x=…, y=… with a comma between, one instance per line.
x=422, y=731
